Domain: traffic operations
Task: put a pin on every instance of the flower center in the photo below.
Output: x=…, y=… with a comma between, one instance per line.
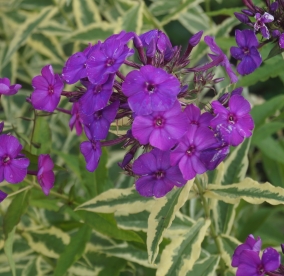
x=160, y=174
x=110, y=62
x=98, y=115
x=6, y=160
x=246, y=50
x=150, y=87
x=159, y=122
x=50, y=89
x=190, y=151
x=97, y=89
x=232, y=119
x=194, y=123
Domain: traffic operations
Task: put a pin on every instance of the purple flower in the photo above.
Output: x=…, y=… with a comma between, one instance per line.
x=99, y=122
x=234, y=123
x=45, y=175
x=246, y=52
x=91, y=151
x=187, y=152
x=108, y=58
x=156, y=176
x=7, y=89
x=96, y=96
x=150, y=89
x=2, y=196
x=250, y=263
x=76, y=119
x=219, y=54
x=281, y=41
x=75, y=66
x=13, y=165
x=224, y=99
x=195, y=117
x=261, y=20
x=48, y=88
x=251, y=244
x=161, y=129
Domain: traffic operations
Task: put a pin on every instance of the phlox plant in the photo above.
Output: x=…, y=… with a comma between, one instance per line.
x=124, y=152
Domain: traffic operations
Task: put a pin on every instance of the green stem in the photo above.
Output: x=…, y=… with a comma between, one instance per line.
x=53, y=193
x=33, y=130
x=206, y=208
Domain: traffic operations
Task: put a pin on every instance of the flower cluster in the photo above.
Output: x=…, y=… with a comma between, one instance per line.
x=246, y=259
x=14, y=165
x=179, y=140
x=268, y=21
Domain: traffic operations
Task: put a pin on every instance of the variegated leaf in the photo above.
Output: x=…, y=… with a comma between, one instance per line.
x=48, y=242
x=118, y=199
x=162, y=215
x=26, y=29
x=180, y=255
x=248, y=190
x=205, y=267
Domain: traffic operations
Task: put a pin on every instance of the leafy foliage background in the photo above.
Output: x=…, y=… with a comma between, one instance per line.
x=89, y=225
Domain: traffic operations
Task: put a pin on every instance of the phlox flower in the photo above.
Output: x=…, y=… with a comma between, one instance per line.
x=7, y=89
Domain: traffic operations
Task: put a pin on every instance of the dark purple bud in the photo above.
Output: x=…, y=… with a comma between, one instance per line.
x=274, y=6
x=2, y=196
x=275, y=33
x=137, y=42
x=1, y=127
x=242, y=17
x=151, y=50
x=126, y=160
x=194, y=40
x=237, y=91
x=282, y=247
x=224, y=98
x=248, y=12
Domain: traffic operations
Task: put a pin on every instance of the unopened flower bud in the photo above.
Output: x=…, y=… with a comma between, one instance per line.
x=248, y=12
x=194, y=40
x=242, y=17
x=275, y=33
x=282, y=247
x=274, y=6
x=218, y=80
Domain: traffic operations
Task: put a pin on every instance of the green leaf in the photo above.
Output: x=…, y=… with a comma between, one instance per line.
x=132, y=19
x=91, y=33
x=265, y=131
x=276, y=50
x=274, y=171
x=180, y=255
x=117, y=199
x=267, y=109
x=8, y=248
x=225, y=11
x=205, y=267
x=25, y=30
x=49, y=242
x=106, y=224
x=271, y=148
x=187, y=4
x=237, y=164
x=162, y=215
x=73, y=251
x=248, y=190
x=15, y=210
x=85, y=13
x=41, y=136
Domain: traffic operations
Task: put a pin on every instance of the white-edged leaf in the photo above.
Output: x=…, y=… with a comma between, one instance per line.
x=180, y=255
x=8, y=248
x=118, y=199
x=162, y=215
x=248, y=190
x=205, y=267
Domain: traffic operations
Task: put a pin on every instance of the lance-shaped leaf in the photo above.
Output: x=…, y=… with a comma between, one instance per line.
x=228, y=246
x=205, y=267
x=118, y=199
x=132, y=19
x=73, y=251
x=235, y=168
x=49, y=242
x=129, y=253
x=85, y=13
x=248, y=190
x=25, y=30
x=162, y=215
x=181, y=254
x=8, y=248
